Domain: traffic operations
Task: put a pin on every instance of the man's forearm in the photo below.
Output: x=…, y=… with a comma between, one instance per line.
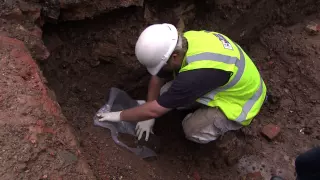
x=147, y=111
x=154, y=88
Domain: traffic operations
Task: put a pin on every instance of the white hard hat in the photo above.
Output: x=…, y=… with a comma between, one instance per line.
x=155, y=45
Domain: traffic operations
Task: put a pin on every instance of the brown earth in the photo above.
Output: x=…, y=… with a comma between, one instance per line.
x=88, y=57
x=35, y=141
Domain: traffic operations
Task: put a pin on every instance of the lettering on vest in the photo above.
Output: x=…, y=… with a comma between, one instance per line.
x=224, y=42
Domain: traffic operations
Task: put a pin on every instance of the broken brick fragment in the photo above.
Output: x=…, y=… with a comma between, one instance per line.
x=270, y=131
x=313, y=28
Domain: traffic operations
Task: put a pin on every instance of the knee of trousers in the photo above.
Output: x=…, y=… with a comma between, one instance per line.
x=197, y=132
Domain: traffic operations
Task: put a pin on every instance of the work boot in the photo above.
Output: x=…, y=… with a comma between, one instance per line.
x=276, y=178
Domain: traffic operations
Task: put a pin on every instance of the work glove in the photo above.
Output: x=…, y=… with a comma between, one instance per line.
x=109, y=116
x=144, y=126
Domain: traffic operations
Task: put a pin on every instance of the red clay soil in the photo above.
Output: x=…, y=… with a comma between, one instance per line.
x=88, y=57
x=36, y=143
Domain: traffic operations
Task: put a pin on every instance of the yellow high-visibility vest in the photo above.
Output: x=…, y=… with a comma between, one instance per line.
x=242, y=97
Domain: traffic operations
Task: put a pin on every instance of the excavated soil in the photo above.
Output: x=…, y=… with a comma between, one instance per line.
x=90, y=56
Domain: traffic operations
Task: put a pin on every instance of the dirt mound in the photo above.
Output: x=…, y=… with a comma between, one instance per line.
x=35, y=141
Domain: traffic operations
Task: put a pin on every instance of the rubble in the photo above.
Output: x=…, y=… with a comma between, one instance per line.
x=77, y=10
x=31, y=122
x=30, y=10
x=105, y=51
x=270, y=131
x=312, y=28
x=14, y=15
x=67, y=157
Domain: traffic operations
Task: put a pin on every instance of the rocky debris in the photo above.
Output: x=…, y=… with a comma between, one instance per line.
x=15, y=15
x=30, y=34
x=26, y=14
x=31, y=11
x=51, y=10
x=270, y=131
x=231, y=143
x=67, y=157
x=31, y=124
x=23, y=11
x=149, y=15
x=306, y=130
x=312, y=28
x=38, y=129
x=182, y=14
x=77, y=10
x=55, y=10
x=18, y=20
x=33, y=40
x=105, y=51
x=186, y=13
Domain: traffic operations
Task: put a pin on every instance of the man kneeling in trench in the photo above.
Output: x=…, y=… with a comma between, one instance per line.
x=207, y=68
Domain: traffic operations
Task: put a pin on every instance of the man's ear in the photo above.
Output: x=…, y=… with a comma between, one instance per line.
x=175, y=58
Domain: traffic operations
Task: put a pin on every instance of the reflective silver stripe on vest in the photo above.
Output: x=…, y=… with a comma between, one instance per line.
x=249, y=104
x=213, y=57
x=240, y=64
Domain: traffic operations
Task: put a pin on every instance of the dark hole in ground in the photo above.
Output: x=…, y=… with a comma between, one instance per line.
x=87, y=58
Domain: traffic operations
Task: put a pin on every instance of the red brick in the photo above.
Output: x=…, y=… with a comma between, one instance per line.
x=270, y=131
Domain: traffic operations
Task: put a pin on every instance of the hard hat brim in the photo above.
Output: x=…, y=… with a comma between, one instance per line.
x=155, y=70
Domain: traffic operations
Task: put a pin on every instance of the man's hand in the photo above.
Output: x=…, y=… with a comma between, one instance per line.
x=144, y=126
x=110, y=116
